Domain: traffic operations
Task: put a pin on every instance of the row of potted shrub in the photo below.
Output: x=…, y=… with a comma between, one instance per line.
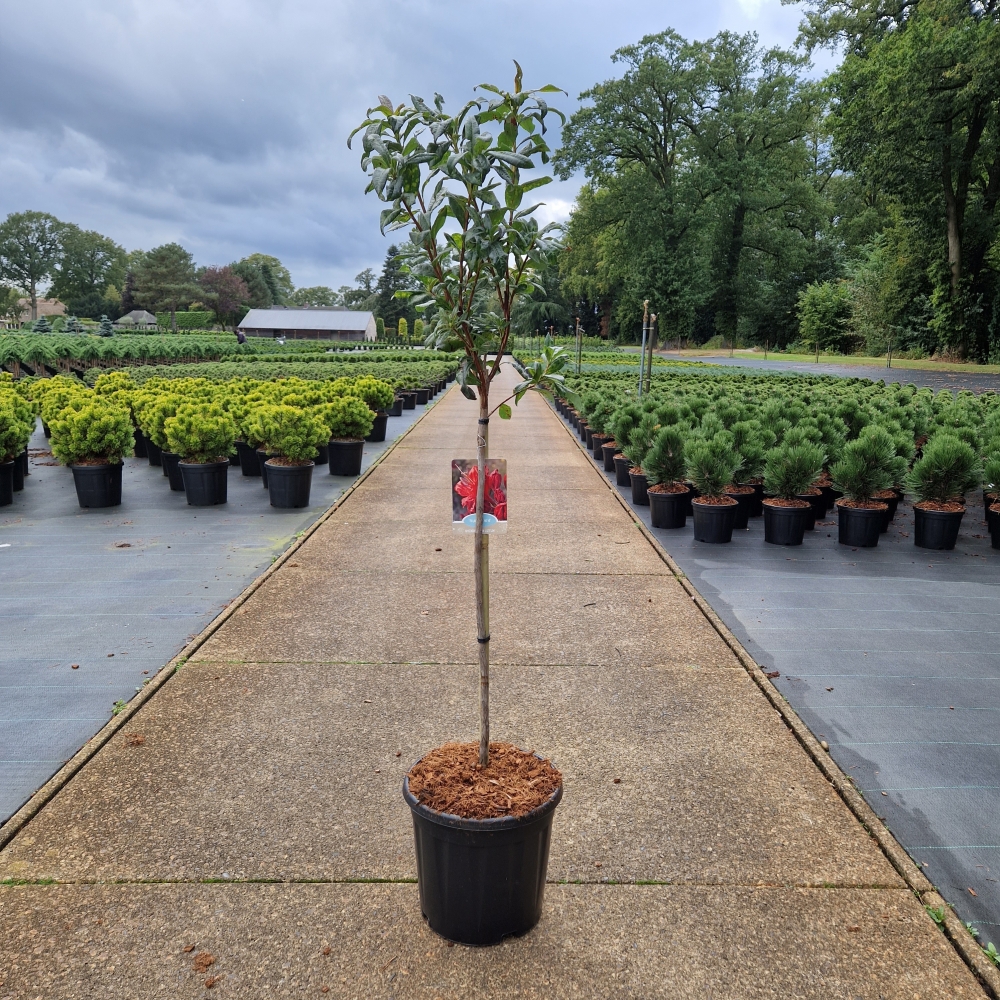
x=762, y=446
x=17, y=421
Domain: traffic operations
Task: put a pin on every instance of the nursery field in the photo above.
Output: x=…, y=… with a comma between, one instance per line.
x=888, y=653
x=117, y=591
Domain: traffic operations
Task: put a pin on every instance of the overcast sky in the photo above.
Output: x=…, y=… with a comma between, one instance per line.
x=222, y=124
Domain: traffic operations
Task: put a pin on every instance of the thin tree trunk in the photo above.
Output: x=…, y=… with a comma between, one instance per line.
x=481, y=569
x=34, y=303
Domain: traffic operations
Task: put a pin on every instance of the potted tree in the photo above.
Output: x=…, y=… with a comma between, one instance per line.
x=751, y=441
x=203, y=435
x=664, y=465
x=624, y=421
x=154, y=416
x=866, y=467
x=379, y=396
x=939, y=480
x=91, y=435
x=292, y=437
x=16, y=425
x=482, y=814
x=789, y=472
x=991, y=478
x=711, y=465
x=349, y=421
x=639, y=443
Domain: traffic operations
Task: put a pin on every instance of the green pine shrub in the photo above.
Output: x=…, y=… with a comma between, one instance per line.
x=90, y=430
x=946, y=472
x=377, y=394
x=991, y=472
x=664, y=462
x=290, y=432
x=347, y=418
x=711, y=463
x=640, y=440
x=791, y=469
x=867, y=465
x=200, y=432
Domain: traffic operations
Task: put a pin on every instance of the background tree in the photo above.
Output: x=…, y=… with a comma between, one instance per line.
x=256, y=280
x=88, y=264
x=277, y=276
x=363, y=296
x=318, y=295
x=393, y=279
x=225, y=292
x=10, y=305
x=29, y=250
x=165, y=279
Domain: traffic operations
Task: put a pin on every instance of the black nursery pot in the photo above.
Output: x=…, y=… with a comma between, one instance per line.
x=481, y=880
x=172, y=470
x=713, y=522
x=597, y=443
x=345, y=457
x=289, y=485
x=422, y=395
x=205, y=483
x=409, y=400
x=891, y=503
x=25, y=465
x=262, y=457
x=249, y=464
x=860, y=527
x=322, y=455
x=396, y=410
x=140, y=444
x=17, y=474
x=993, y=522
x=588, y=438
x=378, y=428
x=667, y=510
x=608, y=454
x=98, y=485
x=6, y=483
x=640, y=494
x=936, y=529
x=152, y=452
x=745, y=503
x=785, y=525
x=622, y=465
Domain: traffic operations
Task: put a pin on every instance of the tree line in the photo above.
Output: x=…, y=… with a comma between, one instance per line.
x=752, y=204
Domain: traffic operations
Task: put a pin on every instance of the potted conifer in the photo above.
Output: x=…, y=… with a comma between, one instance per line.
x=625, y=420
x=711, y=464
x=639, y=442
x=203, y=435
x=664, y=465
x=867, y=465
x=16, y=424
x=947, y=470
x=482, y=814
x=292, y=437
x=92, y=435
x=790, y=470
x=349, y=421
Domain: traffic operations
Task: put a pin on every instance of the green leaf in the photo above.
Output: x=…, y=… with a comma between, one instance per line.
x=504, y=411
x=468, y=393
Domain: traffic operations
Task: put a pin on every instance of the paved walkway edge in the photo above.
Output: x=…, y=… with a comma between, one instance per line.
x=964, y=943
x=65, y=774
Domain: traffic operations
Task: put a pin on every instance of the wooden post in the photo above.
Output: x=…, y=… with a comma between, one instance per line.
x=642, y=348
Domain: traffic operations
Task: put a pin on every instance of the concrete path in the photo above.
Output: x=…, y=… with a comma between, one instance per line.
x=119, y=592
x=251, y=811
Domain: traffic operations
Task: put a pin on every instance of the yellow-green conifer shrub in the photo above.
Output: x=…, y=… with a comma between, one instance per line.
x=200, y=432
x=290, y=432
x=348, y=418
x=403, y=330
x=91, y=431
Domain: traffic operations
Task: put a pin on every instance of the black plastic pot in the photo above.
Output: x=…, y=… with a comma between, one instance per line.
x=262, y=466
x=234, y=458
x=345, y=457
x=289, y=485
x=757, y=501
x=249, y=464
x=588, y=438
x=831, y=495
x=622, y=465
x=17, y=474
x=140, y=444
x=6, y=483
x=378, y=428
x=936, y=529
x=860, y=527
x=667, y=510
x=205, y=483
x=891, y=503
x=744, y=502
x=596, y=444
x=693, y=494
x=322, y=455
x=396, y=410
x=608, y=454
x=25, y=464
x=409, y=400
x=713, y=522
x=172, y=470
x=481, y=880
x=152, y=452
x=582, y=429
x=785, y=525
x=993, y=522
x=98, y=485
x=816, y=503
x=422, y=395
x=640, y=494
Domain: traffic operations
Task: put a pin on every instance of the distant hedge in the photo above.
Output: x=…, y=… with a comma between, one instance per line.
x=187, y=320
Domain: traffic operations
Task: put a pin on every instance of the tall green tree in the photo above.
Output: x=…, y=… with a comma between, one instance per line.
x=317, y=295
x=277, y=276
x=30, y=244
x=88, y=264
x=394, y=278
x=165, y=280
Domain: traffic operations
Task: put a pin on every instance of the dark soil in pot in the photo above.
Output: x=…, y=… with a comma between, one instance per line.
x=608, y=450
x=6, y=483
x=936, y=524
x=249, y=463
x=481, y=866
x=744, y=497
x=859, y=525
x=206, y=483
x=713, y=519
x=396, y=410
x=622, y=465
x=345, y=457
x=785, y=521
x=668, y=505
x=638, y=480
x=891, y=500
x=98, y=485
x=153, y=453
x=378, y=428
x=289, y=485
x=172, y=470
x=140, y=444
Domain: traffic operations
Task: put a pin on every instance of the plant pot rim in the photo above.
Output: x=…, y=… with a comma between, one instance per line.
x=205, y=465
x=664, y=490
x=290, y=465
x=786, y=504
x=103, y=464
x=956, y=507
x=494, y=823
x=347, y=440
x=872, y=505
x=728, y=502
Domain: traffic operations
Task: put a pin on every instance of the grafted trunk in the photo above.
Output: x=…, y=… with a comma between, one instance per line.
x=481, y=571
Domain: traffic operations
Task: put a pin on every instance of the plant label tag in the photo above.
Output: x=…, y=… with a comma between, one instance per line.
x=464, y=483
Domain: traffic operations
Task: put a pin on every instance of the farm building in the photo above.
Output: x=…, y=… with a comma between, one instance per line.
x=309, y=324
